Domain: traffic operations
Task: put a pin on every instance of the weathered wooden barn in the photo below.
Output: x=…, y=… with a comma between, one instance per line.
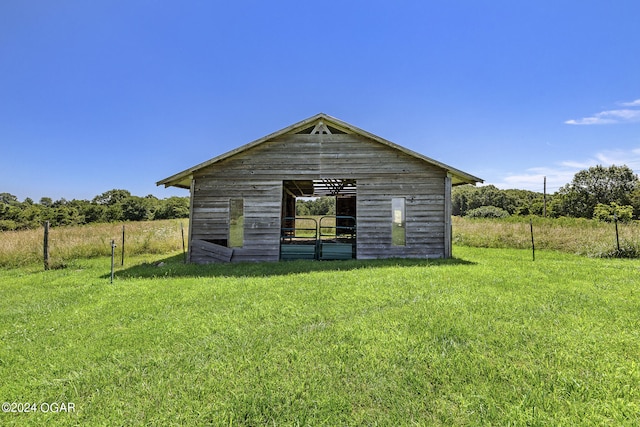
x=390, y=201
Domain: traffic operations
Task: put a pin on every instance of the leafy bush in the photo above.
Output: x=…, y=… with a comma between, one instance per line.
x=607, y=213
x=7, y=225
x=487, y=212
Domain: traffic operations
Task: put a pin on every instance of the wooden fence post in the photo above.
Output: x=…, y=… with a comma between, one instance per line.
x=615, y=219
x=46, y=245
x=122, y=259
x=533, y=245
x=113, y=253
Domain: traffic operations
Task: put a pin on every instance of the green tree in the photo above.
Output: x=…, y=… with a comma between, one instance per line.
x=111, y=197
x=31, y=216
x=467, y=197
x=302, y=209
x=94, y=213
x=8, y=198
x=113, y=213
x=598, y=184
x=319, y=206
x=47, y=202
x=136, y=208
x=66, y=215
x=613, y=211
x=9, y=212
x=173, y=207
x=635, y=202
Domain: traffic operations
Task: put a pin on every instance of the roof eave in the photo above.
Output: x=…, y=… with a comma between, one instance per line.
x=180, y=176
x=464, y=178
x=183, y=179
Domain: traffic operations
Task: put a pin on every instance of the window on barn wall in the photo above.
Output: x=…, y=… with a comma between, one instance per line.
x=236, y=223
x=398, y=230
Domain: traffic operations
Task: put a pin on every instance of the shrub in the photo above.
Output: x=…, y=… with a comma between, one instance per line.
x=7, y=225
x=487, y=212
x=606, y=213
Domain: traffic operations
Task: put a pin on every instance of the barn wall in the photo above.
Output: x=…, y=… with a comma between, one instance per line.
x=314, y=157
x=262, y=204
x=381, y=173
x=424, y=208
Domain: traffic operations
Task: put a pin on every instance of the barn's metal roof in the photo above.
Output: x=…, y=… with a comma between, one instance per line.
x=316, y=124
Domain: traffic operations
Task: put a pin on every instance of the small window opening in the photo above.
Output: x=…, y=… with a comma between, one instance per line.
x=398, y=230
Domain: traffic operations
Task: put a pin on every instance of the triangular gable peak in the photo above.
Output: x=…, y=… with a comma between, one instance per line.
x=321, y=128
x=320, y=124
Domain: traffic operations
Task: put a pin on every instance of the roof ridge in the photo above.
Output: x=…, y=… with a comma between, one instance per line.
x=176, y=179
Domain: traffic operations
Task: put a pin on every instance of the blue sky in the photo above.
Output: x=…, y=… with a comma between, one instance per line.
x=99, y=94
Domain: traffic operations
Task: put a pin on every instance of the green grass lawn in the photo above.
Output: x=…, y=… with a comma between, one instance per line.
x=488, y=338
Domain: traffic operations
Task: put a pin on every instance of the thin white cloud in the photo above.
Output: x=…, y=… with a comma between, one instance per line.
x=572, y=164
x=630, y=158
x=562, y=173
x=608, y=117
x=625, y=115
x=635, y=103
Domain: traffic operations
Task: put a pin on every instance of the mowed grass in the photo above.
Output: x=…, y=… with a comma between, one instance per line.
x=487, y=338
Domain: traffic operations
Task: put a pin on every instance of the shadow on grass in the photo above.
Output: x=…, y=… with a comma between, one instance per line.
x=173, y=266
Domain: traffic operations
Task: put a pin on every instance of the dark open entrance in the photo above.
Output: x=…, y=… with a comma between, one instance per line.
x=319, y=237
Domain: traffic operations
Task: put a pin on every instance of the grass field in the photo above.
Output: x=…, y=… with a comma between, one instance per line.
x=573, y=235
x=487, y=338
x=67, y=244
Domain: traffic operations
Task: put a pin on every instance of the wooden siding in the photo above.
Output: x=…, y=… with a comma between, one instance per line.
x=316, y=156
x=203, y=251
x=262, y=205
x=424, y=219
x=380, y=171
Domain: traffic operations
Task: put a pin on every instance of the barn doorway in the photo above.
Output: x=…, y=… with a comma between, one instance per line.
x=327, y=236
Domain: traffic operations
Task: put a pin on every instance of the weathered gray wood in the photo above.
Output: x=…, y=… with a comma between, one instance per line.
x=211, y=250
x=447, y=217
x=303, y=129
x=381, y=172
x=191, y=227
x=342, y=155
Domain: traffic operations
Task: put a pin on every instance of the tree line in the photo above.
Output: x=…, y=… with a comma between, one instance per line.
x=316, y=206
x=110, y=206
x=598, y=192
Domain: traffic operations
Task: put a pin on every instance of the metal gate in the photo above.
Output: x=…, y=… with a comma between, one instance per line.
x=333, y=237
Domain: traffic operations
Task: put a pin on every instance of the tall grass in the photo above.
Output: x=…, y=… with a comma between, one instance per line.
x=577, y=236
x=573, y=235
x=20, y=248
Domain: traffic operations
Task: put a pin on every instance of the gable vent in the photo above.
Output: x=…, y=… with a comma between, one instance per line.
x=321, y=128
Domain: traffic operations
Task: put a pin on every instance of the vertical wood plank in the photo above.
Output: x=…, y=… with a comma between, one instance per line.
x=447, y=217
x=191, y=227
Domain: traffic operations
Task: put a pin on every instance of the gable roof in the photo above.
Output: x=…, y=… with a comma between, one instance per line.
x=318, y=123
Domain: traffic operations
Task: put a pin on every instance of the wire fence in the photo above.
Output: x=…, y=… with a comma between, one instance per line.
x=65, y=244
